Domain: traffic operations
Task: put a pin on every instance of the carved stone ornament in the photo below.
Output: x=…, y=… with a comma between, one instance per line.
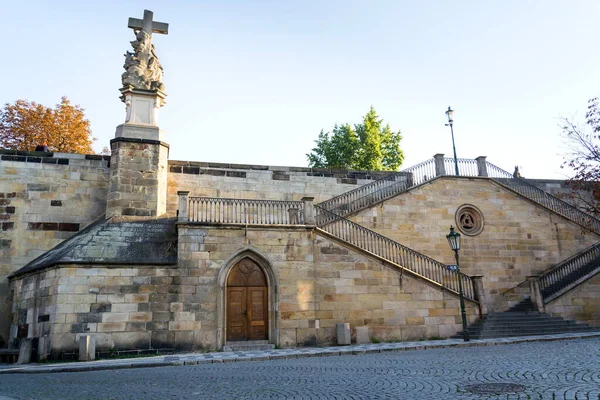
x=142, y=67
x=469, y=220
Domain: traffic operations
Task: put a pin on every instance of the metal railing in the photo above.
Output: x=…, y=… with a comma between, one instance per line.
x=570, y=271
x=380, y=189
x=240, y=211
x=539, y=196
x=381, y=246
x=466, y=166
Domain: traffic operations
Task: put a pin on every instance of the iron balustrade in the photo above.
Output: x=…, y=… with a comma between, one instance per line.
x=570, y=271
x=381, y=189
x=213, y=210
x=466, y=166
x=539, y=196
x=384, y=247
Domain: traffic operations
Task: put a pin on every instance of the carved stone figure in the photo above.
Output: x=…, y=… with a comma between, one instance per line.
x=142, y=67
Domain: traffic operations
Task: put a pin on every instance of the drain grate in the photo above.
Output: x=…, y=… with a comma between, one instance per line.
x=495, y=388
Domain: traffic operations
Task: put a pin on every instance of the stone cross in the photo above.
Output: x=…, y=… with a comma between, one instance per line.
x=147, y=25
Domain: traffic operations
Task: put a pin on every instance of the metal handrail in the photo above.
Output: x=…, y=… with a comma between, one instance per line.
x=466, y=166
x=380, y=189
x=243, y=211
x=388, y=249
x=543, y=198
x=570, y=271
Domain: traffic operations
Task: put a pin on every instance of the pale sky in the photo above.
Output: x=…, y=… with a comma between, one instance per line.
x=254, y=82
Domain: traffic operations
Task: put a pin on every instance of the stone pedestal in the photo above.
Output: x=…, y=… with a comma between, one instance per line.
x=342, y=332
x=480, y=294
x=362, y=335
x=25, y=351
x=139, y=158
x=536, y=293
x=183, y=206
x=138, y=178
x=309, y=210
x=87, y=348
x=481, y=166
x=440, y=168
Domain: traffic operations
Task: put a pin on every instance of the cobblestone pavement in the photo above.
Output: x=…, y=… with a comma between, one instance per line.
x=547, y=370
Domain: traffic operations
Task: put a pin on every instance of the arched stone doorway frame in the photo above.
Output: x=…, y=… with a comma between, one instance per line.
x=273, y=303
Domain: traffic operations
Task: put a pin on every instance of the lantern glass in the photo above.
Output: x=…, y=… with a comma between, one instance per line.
x=450, y=114
x=453, y=239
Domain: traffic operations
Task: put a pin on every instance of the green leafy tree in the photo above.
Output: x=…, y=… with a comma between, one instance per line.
x=370, y=145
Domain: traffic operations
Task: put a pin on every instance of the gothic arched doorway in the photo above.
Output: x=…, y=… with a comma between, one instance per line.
x=247, y=302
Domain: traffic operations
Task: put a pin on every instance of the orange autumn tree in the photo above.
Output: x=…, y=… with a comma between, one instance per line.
x=24, y=125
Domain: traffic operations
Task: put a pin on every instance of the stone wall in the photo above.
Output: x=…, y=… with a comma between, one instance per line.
x=263, y=182
x=124, y=307
x=320, y=284
x=315, y=285
x=138, y=178
x=44, y=199
x=47, y=197
x=518, y=238
x=580, y=304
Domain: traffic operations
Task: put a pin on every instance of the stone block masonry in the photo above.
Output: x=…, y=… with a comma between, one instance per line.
x=44, y=199
x=138, y=178
x=242, y=181
x=518, y=238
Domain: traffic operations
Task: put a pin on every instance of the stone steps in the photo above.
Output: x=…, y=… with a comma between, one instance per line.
x=523, y=323
x=248, y=345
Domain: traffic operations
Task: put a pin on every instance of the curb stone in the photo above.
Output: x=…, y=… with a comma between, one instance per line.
x=188, y=359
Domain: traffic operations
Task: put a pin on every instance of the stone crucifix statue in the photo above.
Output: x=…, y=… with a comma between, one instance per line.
x=142, y=68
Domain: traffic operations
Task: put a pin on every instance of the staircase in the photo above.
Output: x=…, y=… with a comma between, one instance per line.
x=554, y=283
x=382, y=189
x=385, y=249
x=248, y=345
x=570, y=273
x=522, y=321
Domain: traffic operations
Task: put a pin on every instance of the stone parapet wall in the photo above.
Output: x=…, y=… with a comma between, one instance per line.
x=519, y=239
x=262, y=182
x=44, y=199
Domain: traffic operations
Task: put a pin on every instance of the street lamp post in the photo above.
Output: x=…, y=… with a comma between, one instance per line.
x=450, y=115
x=454, y=242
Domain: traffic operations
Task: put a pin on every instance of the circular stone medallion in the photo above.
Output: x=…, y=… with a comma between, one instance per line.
x=495, y=388
x=469, y=220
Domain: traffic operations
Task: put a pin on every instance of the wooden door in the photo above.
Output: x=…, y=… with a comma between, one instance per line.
x=247, y=302
x=236, y=308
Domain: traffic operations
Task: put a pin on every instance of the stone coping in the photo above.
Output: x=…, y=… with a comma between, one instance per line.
x=282, y=354
x=70, y=156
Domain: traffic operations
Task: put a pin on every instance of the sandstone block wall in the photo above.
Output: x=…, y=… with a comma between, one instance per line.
x=261, y=182
x=138, y=178
x=44, y=199
x=581, y=304
x=319, y=284
x=124, y=307
x=518, y=239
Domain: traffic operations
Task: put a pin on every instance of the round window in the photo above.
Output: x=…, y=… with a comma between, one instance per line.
x=469, y=220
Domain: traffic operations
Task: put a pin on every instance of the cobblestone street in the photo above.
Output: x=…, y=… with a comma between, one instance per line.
x=546, y=370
